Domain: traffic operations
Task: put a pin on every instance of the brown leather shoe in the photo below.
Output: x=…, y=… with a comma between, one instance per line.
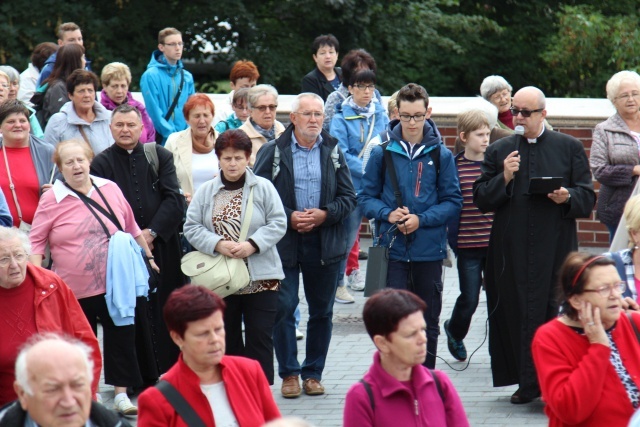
x=312, y=387
x=291, y=387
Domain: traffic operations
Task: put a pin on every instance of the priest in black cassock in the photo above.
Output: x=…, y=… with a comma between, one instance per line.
x=158, y=207
x=531, y=235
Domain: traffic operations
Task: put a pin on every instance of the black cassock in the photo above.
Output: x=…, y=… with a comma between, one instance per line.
x=157, y=204
x=530, y=239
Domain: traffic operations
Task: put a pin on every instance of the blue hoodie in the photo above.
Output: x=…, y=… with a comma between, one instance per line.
x=353, y=131
x=434, y=203
x=159, y=86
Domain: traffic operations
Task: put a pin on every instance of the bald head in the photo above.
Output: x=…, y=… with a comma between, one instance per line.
x=530, y=99
x=534, y=92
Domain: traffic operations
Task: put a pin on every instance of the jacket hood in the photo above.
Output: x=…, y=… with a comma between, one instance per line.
x=73, y=118
x=431, y=134
x=159, y=61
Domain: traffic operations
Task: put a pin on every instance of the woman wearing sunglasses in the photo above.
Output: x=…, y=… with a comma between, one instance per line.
x=587, y=359
x=614, y=151
x=262, y=125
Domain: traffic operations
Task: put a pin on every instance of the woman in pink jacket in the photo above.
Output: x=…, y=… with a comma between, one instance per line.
x=398, y=389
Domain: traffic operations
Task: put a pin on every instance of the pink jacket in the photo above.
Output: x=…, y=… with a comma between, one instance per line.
x=398, y=405
x=148, y=132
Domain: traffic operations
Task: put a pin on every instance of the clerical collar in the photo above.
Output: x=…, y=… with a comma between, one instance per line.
x=535, y=140
x=233, y=185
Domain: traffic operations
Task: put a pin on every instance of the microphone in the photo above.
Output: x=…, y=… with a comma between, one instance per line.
x=519, y=132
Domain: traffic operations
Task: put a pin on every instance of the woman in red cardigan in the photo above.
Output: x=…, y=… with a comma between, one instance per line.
x=221, y=390
x=588, y=359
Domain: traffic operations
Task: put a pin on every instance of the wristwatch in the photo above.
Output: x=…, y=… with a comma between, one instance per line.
x=568, y=198
x=153, y=233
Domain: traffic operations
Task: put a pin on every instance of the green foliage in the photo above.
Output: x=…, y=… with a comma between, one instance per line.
x=589, y=47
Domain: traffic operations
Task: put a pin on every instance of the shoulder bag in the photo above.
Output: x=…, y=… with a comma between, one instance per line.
x=221, y=274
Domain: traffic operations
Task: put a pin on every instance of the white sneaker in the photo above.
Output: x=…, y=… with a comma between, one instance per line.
x=343, y=296
x=124, y=405
x=356, y=281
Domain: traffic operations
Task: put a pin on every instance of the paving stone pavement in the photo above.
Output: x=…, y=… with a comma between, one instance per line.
x=350, y=355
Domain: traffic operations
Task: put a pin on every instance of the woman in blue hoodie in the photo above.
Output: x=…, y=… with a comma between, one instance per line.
x=358, y=119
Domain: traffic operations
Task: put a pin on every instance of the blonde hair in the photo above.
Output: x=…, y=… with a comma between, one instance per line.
x=469, y=121
x=115, y=71
x=632, y=217
x=88, y=151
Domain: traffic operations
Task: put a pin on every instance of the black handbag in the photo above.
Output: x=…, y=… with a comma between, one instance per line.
x=378, y=262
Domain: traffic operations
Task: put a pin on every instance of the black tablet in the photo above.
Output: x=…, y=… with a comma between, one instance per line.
x=544, y=184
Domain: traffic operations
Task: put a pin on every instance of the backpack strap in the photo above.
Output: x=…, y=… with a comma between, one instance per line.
x=179, y=403
x=275, y=168
x=151, y=153
x=174, y=103
x=367, y=388
x=438, y=385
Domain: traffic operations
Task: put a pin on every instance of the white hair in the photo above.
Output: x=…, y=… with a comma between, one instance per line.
x=13, y=74
x=489, y=110
x=12, y=233
x=493, y=84
x=22, y=370
x=295, y=104
x=258, y=91
x=613, y=85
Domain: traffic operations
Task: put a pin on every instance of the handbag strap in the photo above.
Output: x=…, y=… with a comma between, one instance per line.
x=174, y=103
x=179, y=403
x=247, y=218
x=392, y=174
x=84, y=135
x=92, y=204
x=11, y=186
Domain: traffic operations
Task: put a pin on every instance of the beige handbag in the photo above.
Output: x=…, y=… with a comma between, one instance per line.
x=221, y=274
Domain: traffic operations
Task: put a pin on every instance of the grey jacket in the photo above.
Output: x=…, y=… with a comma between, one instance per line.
x=42, y=156
x=614, y=153
x=66, y=125
x=268, y=224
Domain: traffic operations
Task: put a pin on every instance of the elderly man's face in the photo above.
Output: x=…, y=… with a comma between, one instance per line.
x=13, y=263
x=527, y=99
x=61, y=387
x=308, y=119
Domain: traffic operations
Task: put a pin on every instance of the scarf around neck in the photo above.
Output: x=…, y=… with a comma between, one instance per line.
x=267, y=133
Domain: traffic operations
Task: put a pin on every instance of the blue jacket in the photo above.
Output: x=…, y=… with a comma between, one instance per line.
x=434, y=205
x=159, y=86
x=353, y=131
x=47, y=68
x=127, y=278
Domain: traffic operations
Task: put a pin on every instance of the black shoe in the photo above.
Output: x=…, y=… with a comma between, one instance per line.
x=517, y=399
x=456, y=348
x=363, y=255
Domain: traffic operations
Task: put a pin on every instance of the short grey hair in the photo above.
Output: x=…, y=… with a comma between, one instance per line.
x=295, y=104
x=12, y=233
x=258, y=91
x=13, y=74
x=489, y=110
x=22, y=370
x=493, y=84
x=613, y=85
x=288, y=422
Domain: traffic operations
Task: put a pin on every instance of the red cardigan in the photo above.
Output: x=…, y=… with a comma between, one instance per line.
x=247, y=389
x=579, y=384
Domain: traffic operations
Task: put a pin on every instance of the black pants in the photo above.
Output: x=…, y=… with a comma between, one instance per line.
x=119, y=349
x=259, y=313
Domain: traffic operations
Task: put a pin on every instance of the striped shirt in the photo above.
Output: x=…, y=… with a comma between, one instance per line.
x=475, y=226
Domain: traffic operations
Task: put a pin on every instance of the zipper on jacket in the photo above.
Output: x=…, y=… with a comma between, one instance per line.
x=415, y=401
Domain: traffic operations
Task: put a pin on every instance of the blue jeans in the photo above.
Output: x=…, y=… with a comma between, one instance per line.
x=352, y=227
x=320, y=291
x=471, y=266
x=425, y=280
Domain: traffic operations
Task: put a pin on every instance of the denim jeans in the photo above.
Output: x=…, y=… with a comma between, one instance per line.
x=425, y=280
x=352, y=226
x=320, y=290
x=471, y=265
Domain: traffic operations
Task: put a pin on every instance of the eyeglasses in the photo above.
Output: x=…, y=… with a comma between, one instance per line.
x=365, y=87
x=525, y=113
x=5, y=261
x=263, y=108
x=241, y=107
x=603, y=291
x=174, y=45
x=416, y=117
x=634, y=95
x=309, y=114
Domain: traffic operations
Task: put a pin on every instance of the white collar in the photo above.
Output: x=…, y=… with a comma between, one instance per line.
x=61, y=191
x=535, y=140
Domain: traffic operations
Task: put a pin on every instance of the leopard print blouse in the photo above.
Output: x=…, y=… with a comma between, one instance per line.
x=226, y=218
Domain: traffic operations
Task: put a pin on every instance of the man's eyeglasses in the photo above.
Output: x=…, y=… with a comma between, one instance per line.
x=174, y=45
x=309, y=114
x=263, y=108
x=603, y=291
x=634, y=95
x=416, y=117
x=525, y=113
x=365, y=87
x=5, y=261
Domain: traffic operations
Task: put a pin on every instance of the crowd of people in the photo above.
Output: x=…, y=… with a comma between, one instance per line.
x=104, y=198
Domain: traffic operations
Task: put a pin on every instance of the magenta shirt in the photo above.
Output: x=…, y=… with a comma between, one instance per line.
x=78, y=243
